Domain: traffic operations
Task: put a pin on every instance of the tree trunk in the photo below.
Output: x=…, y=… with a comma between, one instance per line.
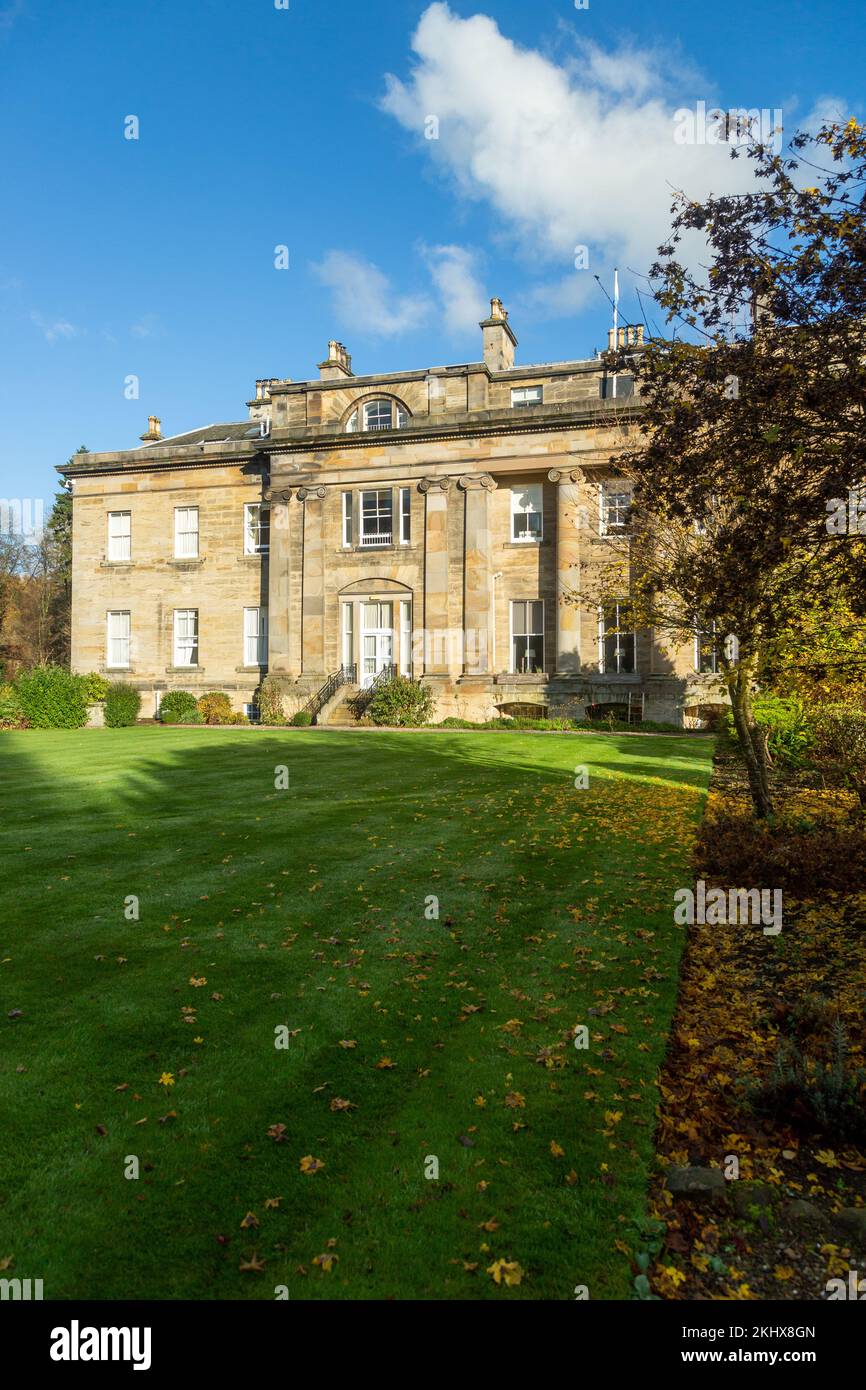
x=752, y=744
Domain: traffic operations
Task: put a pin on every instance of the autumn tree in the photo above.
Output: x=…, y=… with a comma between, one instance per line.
x=746, y=477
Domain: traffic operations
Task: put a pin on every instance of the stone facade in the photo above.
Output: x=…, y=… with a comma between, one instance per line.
x=404, y=528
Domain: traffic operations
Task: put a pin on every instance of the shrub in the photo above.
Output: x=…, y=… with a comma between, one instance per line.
x=215, y=708
x=785, y=724
x=122, y=704
x=11, y=713
x=402, y=703
x=839, y=748
x=176, y=706
x=52, y=698
x=270, y=703
x=302, y=718
x=95, y=687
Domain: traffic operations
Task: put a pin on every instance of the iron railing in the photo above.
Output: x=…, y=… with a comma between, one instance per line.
x=347, y=675
x=360, y=701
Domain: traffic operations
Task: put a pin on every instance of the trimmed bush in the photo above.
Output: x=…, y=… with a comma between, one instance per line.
x=176, y=706
x=11, y=713
x=402, y=703
x=270, y=703
x=122, y=704
x=95, y=687
x=215, y=708
x=301, y=718
x=52, y=698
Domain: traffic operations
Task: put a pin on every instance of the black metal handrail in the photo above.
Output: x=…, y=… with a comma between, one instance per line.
x=347, y=675
x=360, y=702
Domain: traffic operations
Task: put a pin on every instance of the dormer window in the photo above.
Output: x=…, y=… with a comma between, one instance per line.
x=380, y=414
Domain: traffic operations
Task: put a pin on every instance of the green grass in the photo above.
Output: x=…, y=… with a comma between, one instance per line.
x=306, y=908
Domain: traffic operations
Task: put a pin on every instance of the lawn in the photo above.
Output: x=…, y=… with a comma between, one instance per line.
x=304, y=916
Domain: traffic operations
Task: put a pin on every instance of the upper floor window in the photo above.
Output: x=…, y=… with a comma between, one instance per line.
x=376, y=517
x=120, y=535
x=526, y=503
x=614, y=504
x=257, y=528
x=616, y=639
x=380, y=414
x=527, y=395
x=619, y=387
x=185, y=533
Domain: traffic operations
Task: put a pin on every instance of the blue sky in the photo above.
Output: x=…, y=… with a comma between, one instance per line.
x=262, y=127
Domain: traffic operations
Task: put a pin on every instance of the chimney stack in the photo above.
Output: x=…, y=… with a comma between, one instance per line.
x=337, y=364
x=154, y=430
x=499, y=340
x=629, y=336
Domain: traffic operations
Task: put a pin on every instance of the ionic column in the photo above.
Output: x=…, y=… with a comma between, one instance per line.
x=569, y=514
x=313, y=583
x=436, y=655
x=477, y=607
x=279, y=580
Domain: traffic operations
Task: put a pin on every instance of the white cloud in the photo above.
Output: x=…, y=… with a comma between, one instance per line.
x=364, y=299
x=453, y=272
x=565, y=155
x=60, y=328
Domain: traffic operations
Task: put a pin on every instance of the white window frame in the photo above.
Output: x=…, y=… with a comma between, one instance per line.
x=523, y=396
x=404, y=513
x=120, y=537
x=256, y=636
x=621, y=605
x=347, y=632
x=255, y=527
x=347, y=520
x=528, y=538
x=611, y=515
x=186, y=642
x=124, y=638
x=405, y=637
x=183, y=547
x=712, y=634
x=377, y=538
x=525, y=602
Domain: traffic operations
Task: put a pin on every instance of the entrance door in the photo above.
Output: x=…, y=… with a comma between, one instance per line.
x=377, y=639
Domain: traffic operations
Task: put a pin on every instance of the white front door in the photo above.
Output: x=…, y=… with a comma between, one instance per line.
x=377, y=639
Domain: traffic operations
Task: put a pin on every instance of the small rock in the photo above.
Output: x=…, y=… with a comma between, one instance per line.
x=803, y=1212
x=750, y=1194
x=852, y=1220
x=697, y=1184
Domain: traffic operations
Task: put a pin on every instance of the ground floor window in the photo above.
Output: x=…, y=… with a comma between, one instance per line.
x=527, y=636
x=255, y=636
x=186, y=637
x=616, y=639
x=118, y=639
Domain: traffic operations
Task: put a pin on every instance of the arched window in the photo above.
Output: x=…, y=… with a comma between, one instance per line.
x=379, y=414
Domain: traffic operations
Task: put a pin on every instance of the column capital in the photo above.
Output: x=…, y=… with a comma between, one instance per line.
x=470, y=481
x=434, y=485
x=305, y=492
x=566, y=475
